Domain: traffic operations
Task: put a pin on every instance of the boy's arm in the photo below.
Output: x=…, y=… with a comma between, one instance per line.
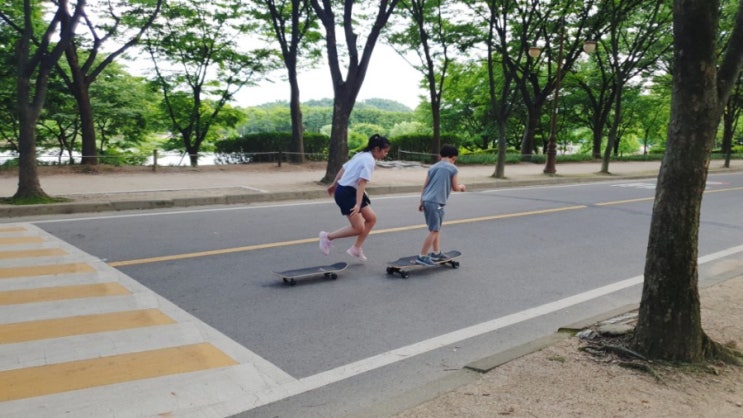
x=456, y=185
x=425, y=183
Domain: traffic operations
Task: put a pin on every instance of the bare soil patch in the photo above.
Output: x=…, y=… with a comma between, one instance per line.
x=564, y=381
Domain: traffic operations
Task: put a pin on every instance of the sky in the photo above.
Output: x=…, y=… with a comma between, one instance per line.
x=389, y=77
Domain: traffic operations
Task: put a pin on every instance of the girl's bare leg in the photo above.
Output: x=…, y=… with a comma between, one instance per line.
x=360, y=226
x=370, y=219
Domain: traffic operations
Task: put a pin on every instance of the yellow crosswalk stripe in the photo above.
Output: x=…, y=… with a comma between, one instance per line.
x=46, y=294
x=80, y=325
x=40, y=252
x=82, y=374
x=12, y=228
x=30, y=271
x=20, y=240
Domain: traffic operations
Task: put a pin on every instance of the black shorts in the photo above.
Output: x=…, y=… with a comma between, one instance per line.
x=345, y=198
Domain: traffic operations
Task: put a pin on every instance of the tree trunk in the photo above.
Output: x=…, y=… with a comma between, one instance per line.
x=728, y=130
x=346, y=91
x=436, y=143
x=29, y=186
x=295, y=105
x=597, y=136
x=193, y=153
x=500, y=164
x=669, y=323
x=29, y=108
x=612, y=139
x=527, y=141
x=338, y=151
x=31, y=100
x=80, y=90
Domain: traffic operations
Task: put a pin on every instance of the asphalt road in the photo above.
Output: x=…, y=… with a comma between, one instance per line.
x=534, y=259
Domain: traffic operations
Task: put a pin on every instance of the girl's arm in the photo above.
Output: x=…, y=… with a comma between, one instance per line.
x=331, y=188
x=360, y=188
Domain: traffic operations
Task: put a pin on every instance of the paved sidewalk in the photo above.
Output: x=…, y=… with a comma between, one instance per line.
x=181, y=187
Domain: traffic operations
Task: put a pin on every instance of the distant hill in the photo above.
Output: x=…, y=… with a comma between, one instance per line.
x=384, y=104
x=375, y=103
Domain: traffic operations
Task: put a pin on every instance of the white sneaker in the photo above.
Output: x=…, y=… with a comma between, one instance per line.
x=324, y=243
x=356, y=252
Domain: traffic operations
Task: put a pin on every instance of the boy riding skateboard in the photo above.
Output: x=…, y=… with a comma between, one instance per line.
x=440, y=181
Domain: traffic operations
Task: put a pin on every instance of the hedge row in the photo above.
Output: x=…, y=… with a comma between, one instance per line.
x=253, y=145
x=262, y=147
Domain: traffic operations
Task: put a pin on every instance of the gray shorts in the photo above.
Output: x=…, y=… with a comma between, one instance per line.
x=434, y=214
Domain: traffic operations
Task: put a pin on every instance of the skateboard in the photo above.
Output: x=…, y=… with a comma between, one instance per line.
x=403, y=265
x=330, y=272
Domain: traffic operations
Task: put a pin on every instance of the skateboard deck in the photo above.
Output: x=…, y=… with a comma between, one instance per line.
x=330, y=271
x=403, y=265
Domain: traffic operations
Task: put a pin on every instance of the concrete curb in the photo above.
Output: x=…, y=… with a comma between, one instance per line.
x=229, y=198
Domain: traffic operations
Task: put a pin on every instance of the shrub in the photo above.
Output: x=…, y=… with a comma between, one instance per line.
x=261, y=147
x=118, y=158
x=10, y=163
x=418, y=146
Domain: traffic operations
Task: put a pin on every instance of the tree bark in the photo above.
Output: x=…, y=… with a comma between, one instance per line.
x=338, y=149
x=527, y=141
x=611, y=141
x=346, y=91
x=29, y=186
x=37, y=67
x=81, y=91
x=669, y=322
x=295, y=105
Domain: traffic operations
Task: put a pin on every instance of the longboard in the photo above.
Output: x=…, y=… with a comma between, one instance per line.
x=330, y=271
x=403, y=265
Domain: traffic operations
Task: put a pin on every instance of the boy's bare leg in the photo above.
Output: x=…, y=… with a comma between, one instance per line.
x=437, y=242
x=429, y=242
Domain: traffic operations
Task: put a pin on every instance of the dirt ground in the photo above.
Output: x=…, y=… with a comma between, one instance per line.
x=565, y=381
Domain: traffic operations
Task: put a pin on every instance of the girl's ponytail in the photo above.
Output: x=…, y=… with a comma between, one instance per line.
x=377, y=140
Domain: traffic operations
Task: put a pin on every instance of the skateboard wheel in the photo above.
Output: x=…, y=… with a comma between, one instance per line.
x=455, y=264
x=404, y=274
x=333, y=276
x=286, y=281
x=292, y=282
x=390, y=270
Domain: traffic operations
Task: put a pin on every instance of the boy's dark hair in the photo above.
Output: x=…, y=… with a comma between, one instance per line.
x=449, y=151
x=377, y=140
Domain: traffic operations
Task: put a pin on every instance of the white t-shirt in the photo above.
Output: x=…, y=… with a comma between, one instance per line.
x=361, y=166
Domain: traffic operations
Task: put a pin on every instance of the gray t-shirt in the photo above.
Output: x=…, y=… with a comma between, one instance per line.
x=439, y=182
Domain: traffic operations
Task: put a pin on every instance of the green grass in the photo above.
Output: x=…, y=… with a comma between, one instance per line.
x=32, y=200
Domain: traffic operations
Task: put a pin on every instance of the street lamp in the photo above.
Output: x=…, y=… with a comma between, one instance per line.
x=589, y=47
